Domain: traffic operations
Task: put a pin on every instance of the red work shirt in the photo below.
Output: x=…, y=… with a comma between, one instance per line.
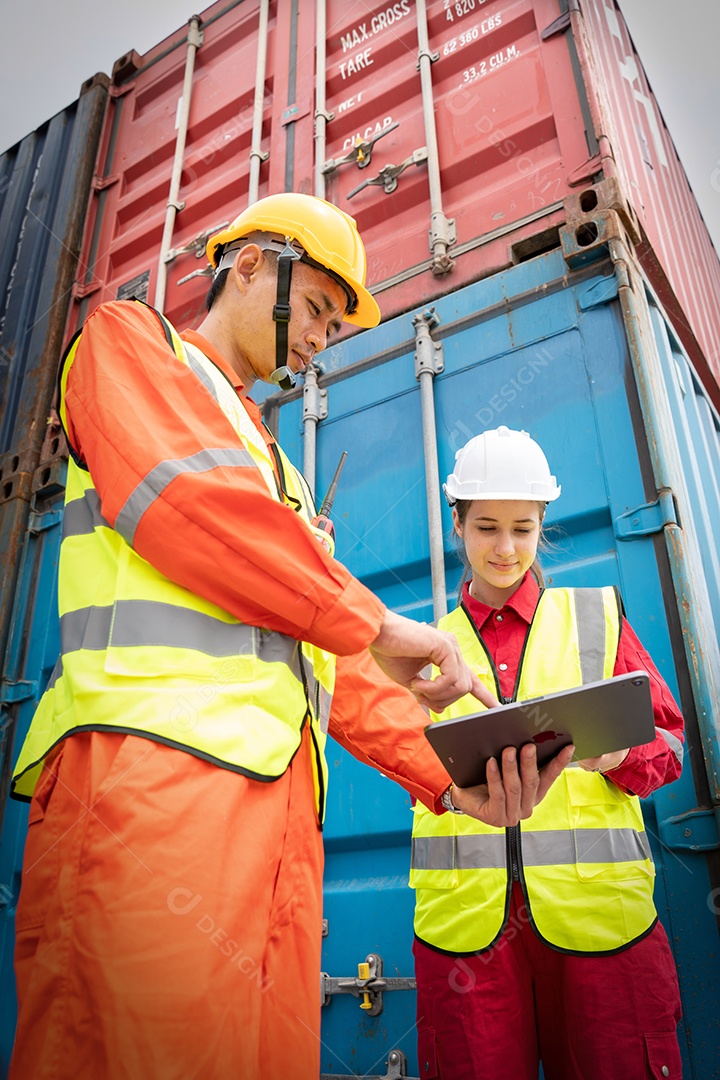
x=504, y=630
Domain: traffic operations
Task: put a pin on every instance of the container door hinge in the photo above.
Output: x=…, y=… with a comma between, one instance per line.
x=39, y=522
x=696, y=830
x=369, y=985
x=100, y=183
x=82, y=289
x=6, y=898
x=599, y=293
x=585, y=172
x=12, y=692
x=396, y=1068
x=649, y=518
x=558, y=26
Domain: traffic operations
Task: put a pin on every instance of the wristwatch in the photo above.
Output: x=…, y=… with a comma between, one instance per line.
x=446, y=801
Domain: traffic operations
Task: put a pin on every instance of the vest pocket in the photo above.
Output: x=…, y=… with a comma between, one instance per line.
x=611, y=873
x=609, y=842
x=433, y=879
x=433, y=864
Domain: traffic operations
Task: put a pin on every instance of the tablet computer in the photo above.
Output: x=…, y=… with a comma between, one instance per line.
x=599, y=718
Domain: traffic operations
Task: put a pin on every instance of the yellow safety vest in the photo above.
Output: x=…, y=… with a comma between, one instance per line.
x=143, y=655
x=583, y=858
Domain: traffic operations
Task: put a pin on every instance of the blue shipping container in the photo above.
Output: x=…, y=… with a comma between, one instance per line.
x=551, y=352
x=562, y=348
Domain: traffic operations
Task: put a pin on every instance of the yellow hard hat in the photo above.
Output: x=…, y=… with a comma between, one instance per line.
x=328, y=235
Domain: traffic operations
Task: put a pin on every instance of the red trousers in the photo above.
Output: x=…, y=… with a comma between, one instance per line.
x=169, y=923
x=495, y=1016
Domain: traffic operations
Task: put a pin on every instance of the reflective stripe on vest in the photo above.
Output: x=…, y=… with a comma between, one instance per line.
x=585, y=859
x=140, y=653
x=147, y=622
x=174, y=627
x=548, y=848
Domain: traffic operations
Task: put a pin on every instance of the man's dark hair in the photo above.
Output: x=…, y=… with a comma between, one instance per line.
x=216, y=288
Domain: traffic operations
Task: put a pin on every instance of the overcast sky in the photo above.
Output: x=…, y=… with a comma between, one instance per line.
x=50, y=47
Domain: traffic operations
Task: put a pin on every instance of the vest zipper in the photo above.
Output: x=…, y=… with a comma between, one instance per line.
x=513, y=858
x=513, y=835
x=512, y=832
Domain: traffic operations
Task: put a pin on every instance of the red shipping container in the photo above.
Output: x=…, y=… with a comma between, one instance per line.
x=535, y=127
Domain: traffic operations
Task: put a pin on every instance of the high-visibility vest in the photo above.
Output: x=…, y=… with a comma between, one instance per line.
x=583, y=857
x=144, y=655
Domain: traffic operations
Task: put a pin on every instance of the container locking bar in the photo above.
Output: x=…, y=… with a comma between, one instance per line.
x=197, y=245
x=369, y=986
x=429, y=362
x=396, y=1068
x=361, y=153
x=387, y=177
x=315, y=409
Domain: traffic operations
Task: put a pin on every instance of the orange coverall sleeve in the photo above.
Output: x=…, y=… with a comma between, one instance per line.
x=131, y=404
x=381, y=724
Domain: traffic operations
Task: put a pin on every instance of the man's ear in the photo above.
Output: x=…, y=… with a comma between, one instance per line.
x=248, y=262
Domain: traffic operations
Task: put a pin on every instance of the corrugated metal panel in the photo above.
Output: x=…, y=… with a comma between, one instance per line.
x=531, y=110
x=509, y=131
x=504, y=113
x=677, y=251
x=135, y=163
x=44, y=188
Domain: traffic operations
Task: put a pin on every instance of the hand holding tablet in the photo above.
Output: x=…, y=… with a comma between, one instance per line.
x=599, y=718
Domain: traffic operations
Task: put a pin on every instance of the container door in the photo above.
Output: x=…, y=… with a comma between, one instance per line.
x=521, y=349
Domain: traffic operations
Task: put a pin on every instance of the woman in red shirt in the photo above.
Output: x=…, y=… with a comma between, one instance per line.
x=541, y=942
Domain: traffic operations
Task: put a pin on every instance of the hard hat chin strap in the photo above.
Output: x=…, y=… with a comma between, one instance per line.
x=282, y=374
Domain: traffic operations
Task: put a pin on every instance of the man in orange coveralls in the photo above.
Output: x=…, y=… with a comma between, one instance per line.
x=169, y=920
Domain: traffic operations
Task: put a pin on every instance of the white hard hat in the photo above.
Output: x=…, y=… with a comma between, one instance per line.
x=501, y=464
